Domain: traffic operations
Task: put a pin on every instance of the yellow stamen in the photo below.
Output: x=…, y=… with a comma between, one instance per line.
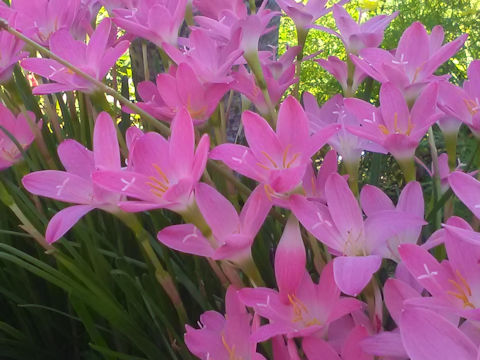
x=295, y=157
x=270, y=159
x=285, y=154
x=384, y=129
x=161, y=173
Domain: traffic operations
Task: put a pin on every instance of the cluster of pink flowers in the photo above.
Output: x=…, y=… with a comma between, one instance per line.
x=433, y=304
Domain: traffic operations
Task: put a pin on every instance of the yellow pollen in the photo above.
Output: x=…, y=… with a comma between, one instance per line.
x=299, y=310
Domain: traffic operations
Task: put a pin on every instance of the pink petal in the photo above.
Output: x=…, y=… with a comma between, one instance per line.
x=185, y=238
x=241, y=159
x=59, y=185
x=343, y=207
x=290, y=259
x=128, y=183
x=254, y=211
x=353, y=273
x=76, y=159
x=200, y=158
x=374, y=200
x=260, y=136
x=428, y=336
x=395, y=292
x=318, y=349
x=105, y=144
x=63, y=221
x=394, y=108
x=292, y=125
x=218, y=212
x=467, y=188
x=182, y=143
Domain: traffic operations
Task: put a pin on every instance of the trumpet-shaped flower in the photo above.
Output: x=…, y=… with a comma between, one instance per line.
x=40, y=19
x=339, y=69
x=453, y=284
x=300, y=307
x=156, y=20
x=415, y=60
x=341, y=227
x=314, y=186
x=75, y=185
x=348, y=145
x=224, y=337
x=95, y=59
x=279, y=75
x=394, y=126
x=464, y=104
x=278, y=159
x=19, y=128
x=181, y=88
x=232, y=234
x=209, y=58
x=375, y=201
x=160, y=173
x=357, y=36
x=305, y=15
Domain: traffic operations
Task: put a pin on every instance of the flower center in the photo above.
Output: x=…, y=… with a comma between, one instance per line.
x=158, y=184
x=301, y=313
x=396, y=129
x=462, y=290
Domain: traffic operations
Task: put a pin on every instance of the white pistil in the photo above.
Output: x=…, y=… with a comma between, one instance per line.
x=61, y=186
x=127, y=183
x=428, y=273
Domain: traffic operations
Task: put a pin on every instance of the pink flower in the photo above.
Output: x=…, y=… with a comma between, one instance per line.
x=453, y=284
x=96, y=59
x=340, y=226
x=216, y=9
x=339, y=70
x=19, y=128
x=314, y=186
x=304, y=15
x=464, y=104
x=224, y=337
x=75, y=185
x=209, y=58
x=374, y=201
x=355, y=35
x=156, y=20
x=415, y=60
x=348, y=145
x=178, y=89
x=232, y=234
x=300, y=307
x=393, y=126
x=275, y=159
x=161, y=173
x=279, y=75
x=39, y=19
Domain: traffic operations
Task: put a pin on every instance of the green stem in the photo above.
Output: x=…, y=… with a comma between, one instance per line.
x=352, y=170
x=253, y=7
x=350, y=75
x=250, y=269
x=301, y=40
x=254, y=63
x=408, y=169
x=451, y=146
x=162, y=276
x=436, y=175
